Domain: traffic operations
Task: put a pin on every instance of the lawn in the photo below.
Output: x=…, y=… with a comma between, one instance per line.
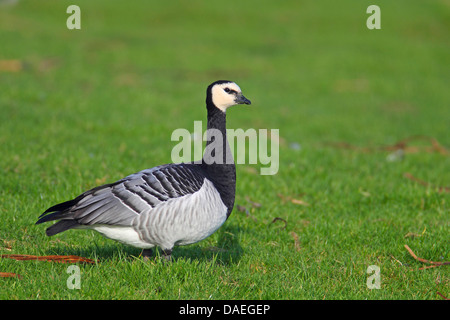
x=364, y=145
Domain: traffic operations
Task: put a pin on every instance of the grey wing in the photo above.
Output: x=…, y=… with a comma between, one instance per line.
x=119, y=203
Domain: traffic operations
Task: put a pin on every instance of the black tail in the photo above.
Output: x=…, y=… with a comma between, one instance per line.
x=59, y=212
x=61, y=226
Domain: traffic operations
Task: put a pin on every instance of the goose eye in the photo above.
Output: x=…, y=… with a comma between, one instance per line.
x=227, y=90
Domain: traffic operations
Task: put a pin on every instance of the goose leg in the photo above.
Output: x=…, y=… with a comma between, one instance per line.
x=167, y=255
x=147, y=253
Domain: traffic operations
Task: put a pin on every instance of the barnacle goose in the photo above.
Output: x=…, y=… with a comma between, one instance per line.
x=168, y=205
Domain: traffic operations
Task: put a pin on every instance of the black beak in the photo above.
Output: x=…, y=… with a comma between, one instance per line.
x=242, y=100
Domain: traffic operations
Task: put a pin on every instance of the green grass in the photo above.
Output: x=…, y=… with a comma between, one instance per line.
x=90, y=106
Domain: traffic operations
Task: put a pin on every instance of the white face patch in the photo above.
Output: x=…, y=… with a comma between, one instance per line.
x=223, y=99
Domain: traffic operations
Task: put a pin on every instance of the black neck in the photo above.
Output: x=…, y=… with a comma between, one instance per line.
x=217, y=159
x=217, y=151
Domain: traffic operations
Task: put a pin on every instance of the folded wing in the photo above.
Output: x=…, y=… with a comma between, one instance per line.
x=120, y=202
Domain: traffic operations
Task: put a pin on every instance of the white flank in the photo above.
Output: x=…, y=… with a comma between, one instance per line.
x=179, y=221
x=183, y=220
x=125, y=235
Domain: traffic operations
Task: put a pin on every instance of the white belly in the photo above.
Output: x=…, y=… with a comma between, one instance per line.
x=126, y=235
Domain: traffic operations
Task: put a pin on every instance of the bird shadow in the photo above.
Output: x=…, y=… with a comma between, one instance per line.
x=227, y=250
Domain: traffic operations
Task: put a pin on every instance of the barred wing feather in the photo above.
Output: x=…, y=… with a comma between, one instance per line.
x=120, y=202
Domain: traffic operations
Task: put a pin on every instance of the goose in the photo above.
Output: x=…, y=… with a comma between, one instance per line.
x=168, y=205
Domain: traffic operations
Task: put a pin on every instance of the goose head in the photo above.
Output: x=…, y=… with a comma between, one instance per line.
x=223, y=94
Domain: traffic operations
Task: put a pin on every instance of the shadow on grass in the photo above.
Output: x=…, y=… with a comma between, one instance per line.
x=227, y=251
